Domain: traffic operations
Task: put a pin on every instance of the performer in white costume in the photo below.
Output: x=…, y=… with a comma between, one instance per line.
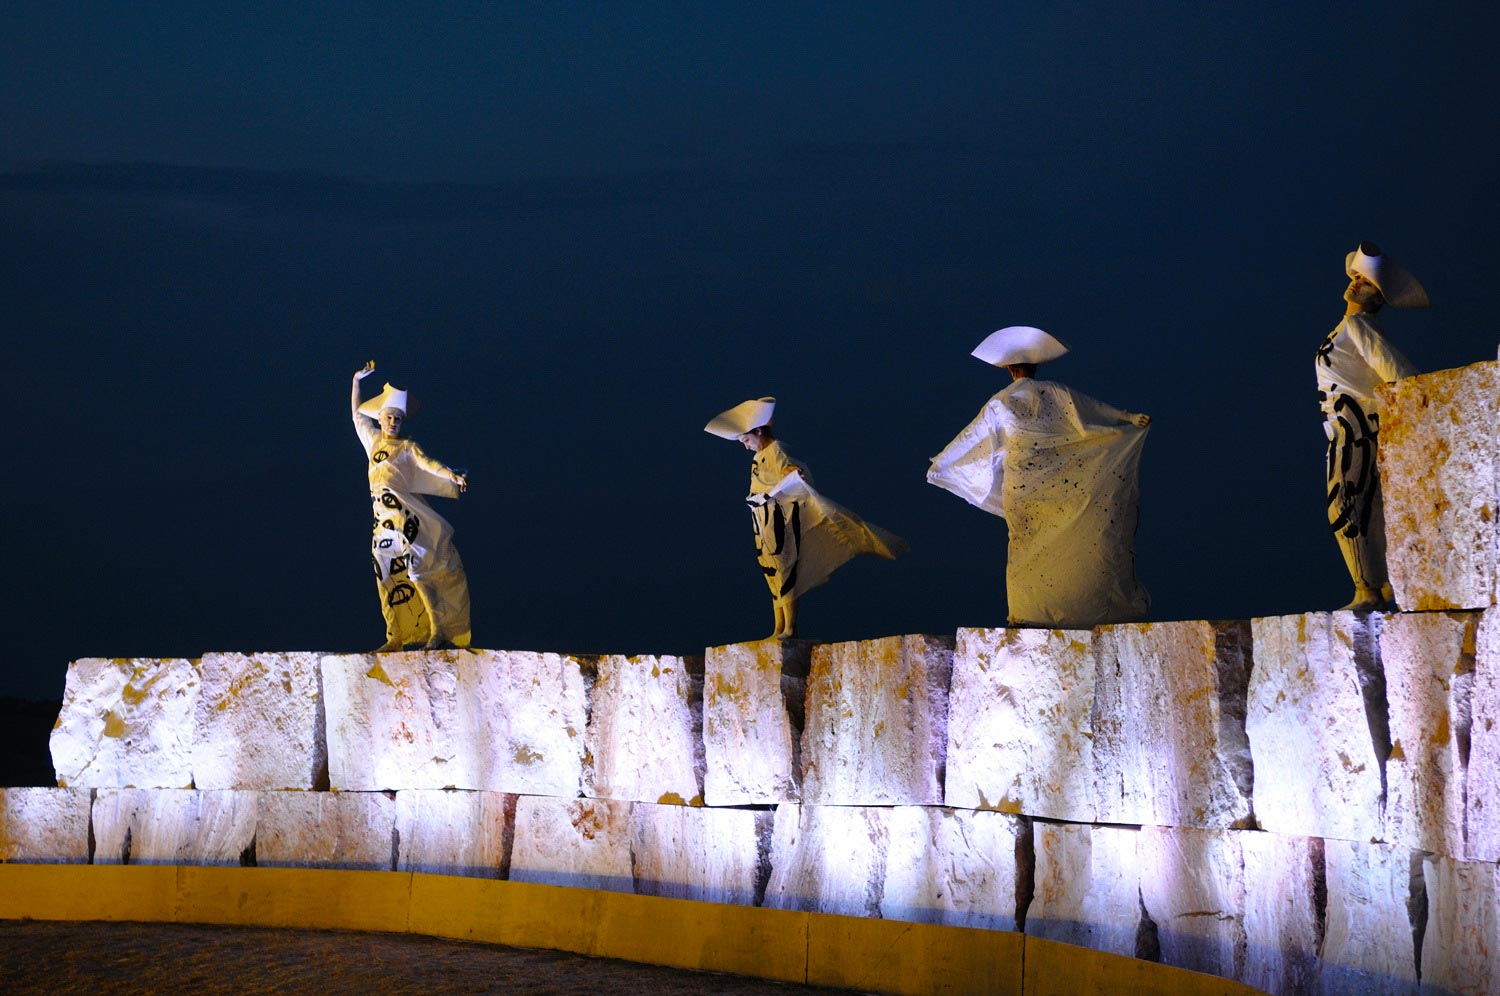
x=800, y=536
x=424, y=594
x=1353, y=360
x=1062, y=469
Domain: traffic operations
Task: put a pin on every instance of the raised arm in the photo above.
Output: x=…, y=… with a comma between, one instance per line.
x=359, y=375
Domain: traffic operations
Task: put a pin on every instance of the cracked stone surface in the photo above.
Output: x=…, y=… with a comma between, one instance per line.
x=689, y=852
x=956, y=867
x=351, y=830
x=454, y=833
x=1375, y=892
x=753, y=696
x=1482, y=781
x=1284, y=879
x=583, y=843
x=44, y=826
x=1193, y=888
x=1461, y=946
x=1088, y=887
x=828, y=859
x=1020, y=723
x=173, y=827
x=258, y=722
x=126, y=722
x=645, y=731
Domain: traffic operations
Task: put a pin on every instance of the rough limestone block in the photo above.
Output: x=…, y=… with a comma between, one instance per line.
x=1087, y=887
x=1428, y=660
x=259, y=723
x=877, y=722
x=1375, y=896
x=645, y=731
x=1461, y=946
x=711, y=855
x=454, y=833
x=353, y=830
x=1283, y=880
x=1438, y=474
x=1169, y=724
x=828, y=859
x=1482, y=782
x=956, y=867
x=44, y=826
x=1193, y=888
x=394, y=721
x=753, y=696
x=1313, y=736
x=1020, y=726
x=126, y=722
x=583, y=843
x=174, y=827
x=528, y=712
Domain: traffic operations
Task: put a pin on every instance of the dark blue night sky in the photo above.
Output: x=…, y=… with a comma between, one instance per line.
x=577, y=231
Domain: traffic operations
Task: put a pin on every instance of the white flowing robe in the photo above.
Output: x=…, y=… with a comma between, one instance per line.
x=412, y=546
x=800, y=536
x=1062, y=469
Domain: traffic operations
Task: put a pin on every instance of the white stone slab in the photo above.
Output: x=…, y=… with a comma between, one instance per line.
x=351, y=830
x=1020, y=725
x=1438, y=452
x=956, y=867
x=394, y=722
x=645, y=731
x=174, y=827
x=584, y=843
x=1428, y=659
x=126, y=722
x=1317, y=772
x=1087, y=887
x=1169, y=724
x=1369, y=945
x=44, y=826
x=709, y=855
x=259, y=723
x=526, y=713
x=828, y=859
x=1283, y=882
x=877, y=722
x=1193, y=888
x=454, y=832
x=1482, y=781
x=1461, y=946
x=753, y=696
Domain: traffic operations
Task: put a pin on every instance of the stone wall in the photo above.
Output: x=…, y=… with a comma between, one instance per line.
x=1307, y=803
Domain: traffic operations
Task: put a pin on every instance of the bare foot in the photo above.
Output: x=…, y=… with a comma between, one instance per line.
x=391, y=646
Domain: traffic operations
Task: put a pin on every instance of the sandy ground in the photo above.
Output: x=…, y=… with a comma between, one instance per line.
x=115, y=959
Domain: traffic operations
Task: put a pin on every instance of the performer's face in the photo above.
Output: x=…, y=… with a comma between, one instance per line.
x=751, y=440
x=1363, y=293
x=390, y=422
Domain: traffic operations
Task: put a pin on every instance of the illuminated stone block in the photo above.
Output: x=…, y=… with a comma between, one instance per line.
x=1482, y=784
x=1368, y=943
x=1020, y=727
x=645, y=730
x=828, y=859
x=956, y=867
x=174, y=827
x=877, y=722
x=753, y=697
x=259, y=723
x=352, y=830
x=126, y=722
x=1169, y=724
x=1283, y=880
x=711, y=855
x=584, y=843
x=1193, y=888
x=1438, y=452
x=1312, y=732
x=1087, y=887
x=44, y=826
x=528, y=713
x=1428, y=659
x=1461, y=946
x=454, y=833
x=394, y=722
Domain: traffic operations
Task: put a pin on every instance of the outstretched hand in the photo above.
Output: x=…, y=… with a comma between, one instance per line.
x=365, y=371
x=1141, y=421
x=462, y=481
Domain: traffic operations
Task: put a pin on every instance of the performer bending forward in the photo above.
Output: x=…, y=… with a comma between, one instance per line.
x=423, y=591
x=800, y=536
x=1062, y=470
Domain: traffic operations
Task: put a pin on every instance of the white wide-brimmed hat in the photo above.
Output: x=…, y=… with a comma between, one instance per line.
x=1019, y=344
x=391, y=397
x=742, y=418
x=1399, y=288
